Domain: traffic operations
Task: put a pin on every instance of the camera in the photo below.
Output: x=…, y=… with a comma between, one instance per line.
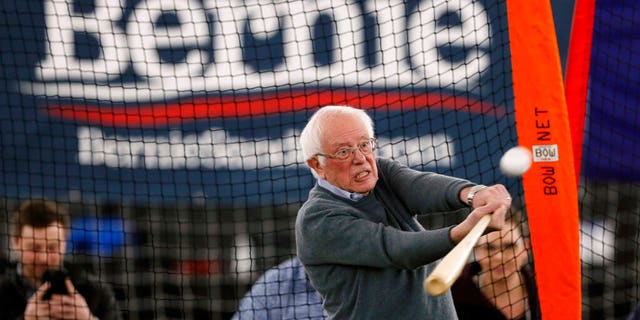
x=56, y=277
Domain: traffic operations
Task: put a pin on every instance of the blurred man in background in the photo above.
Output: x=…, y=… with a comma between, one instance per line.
x=38, y=238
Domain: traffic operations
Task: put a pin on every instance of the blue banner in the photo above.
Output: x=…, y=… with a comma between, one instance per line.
x=612, y=141
x=179, y=100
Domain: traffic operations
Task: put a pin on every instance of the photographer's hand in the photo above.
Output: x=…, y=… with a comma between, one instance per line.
x=70, y=306
x=37, y=307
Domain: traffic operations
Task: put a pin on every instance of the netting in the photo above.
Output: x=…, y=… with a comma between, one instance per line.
x=170, y=129
x=609, y=190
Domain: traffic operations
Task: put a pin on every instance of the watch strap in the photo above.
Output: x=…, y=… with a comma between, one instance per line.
x=472, y=193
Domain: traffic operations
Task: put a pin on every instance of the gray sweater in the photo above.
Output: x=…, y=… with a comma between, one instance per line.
x=368, y=259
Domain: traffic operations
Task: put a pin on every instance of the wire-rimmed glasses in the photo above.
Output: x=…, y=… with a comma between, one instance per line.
x=366, y=147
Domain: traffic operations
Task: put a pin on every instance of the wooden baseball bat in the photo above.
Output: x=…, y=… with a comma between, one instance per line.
x=450, y=267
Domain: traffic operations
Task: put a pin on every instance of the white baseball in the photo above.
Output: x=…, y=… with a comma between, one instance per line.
x=516, y=161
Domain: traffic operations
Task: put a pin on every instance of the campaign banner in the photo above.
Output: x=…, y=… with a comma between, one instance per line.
x=166, y=100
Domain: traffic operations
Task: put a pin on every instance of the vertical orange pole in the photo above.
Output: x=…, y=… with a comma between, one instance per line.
x=577, y=73
x=550, y=186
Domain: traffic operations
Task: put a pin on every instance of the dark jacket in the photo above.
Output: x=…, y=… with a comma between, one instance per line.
x=14, y=289
x=470, y=303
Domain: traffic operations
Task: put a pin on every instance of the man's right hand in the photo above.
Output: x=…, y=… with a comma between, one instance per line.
x=493, y=200
x=37, y=307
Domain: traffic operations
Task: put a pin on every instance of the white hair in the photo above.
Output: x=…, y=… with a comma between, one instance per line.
x=310, y=138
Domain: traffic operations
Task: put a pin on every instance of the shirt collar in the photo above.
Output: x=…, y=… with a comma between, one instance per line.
x=353, y=196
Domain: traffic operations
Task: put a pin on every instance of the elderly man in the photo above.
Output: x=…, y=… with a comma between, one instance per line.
x=357, y=235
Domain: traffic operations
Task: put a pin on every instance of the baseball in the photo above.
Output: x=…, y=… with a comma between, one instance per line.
x=516, y=161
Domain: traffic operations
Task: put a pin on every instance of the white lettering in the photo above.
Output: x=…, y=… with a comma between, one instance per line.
x=392, y=24
x=407, y=49
x=60, y=62
x=145, y=38
x=218, y=149
x=471, y=33
x=349, y=30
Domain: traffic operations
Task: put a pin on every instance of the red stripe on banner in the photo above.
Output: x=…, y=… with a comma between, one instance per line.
x=163, y=114
x=550, y=186
x=577, y=74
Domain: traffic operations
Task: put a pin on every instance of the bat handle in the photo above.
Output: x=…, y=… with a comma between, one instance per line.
x=449, y=269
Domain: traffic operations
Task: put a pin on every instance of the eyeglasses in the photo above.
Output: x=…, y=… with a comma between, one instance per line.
x=366, y=147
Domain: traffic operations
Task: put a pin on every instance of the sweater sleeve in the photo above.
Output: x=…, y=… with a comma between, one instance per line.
x=422, y=192
x=334, y=232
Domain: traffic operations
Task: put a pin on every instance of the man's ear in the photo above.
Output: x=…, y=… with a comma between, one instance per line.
x=315, y=165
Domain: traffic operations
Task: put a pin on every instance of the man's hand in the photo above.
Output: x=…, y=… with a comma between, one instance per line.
x=493, y=200
x=70, y=306
x=37, y=308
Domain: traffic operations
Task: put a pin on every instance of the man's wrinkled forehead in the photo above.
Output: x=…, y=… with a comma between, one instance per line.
x=343, y=126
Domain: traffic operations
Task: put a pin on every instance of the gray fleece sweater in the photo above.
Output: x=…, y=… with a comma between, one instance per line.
x=368, y=259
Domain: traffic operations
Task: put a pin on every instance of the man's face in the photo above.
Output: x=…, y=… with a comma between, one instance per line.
x=502, y=253
x=40, y=249
x=358, y=173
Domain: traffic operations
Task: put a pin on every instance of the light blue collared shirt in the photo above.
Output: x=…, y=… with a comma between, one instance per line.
x=283, y=292
x=353, y=196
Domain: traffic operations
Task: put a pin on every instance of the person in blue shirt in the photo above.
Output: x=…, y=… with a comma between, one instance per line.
x=283, y=292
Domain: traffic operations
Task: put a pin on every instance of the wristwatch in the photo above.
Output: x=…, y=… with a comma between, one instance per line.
x=472, y=193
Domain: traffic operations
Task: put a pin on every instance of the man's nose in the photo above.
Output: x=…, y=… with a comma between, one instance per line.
x=497, y=254
x=359, y=156
x=42, y=257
